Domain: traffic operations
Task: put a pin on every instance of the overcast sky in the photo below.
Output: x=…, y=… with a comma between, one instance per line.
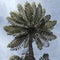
x=52, y=7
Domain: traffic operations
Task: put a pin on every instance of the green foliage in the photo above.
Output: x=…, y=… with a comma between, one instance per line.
x=29, y=12
x=48, y=35
x=28, y=57
x=26, y=42
x=22, y=12
x=29, y=21
x=39, y=44
x=33, y=20
x=47, y=18
x=45, y=57
x=14, y=57
x=19, y=7
x=17, y=41
x=13, y=30
x=50, y=24
x=43, y=12
x=38, y=13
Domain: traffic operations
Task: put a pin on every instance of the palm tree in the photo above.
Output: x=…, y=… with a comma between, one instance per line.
x=30, y=24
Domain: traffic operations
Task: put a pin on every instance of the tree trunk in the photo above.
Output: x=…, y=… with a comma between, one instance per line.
x=30, y=56
x=31, y=53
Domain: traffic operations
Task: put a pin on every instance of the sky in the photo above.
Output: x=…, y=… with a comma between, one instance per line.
x=52, y=7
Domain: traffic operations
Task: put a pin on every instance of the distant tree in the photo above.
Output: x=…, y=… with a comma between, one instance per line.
x=30, y=24
x=44, y=57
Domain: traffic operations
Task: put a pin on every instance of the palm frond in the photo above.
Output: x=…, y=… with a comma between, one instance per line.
x=20, y=8
x=11, y=30
x=44, y=20
x=41, y=22
x=45, y=43
x=26, y=42
x=48, y=35
x=50, y=24
x=43, y=13
x=17, y=41
x=38, y=13
x=41, y=41
x=29, y=12
x=17, y=17
x=47, y=18
x=22, y=12
x=34, y=11
x=39, y=44
x=14, y=22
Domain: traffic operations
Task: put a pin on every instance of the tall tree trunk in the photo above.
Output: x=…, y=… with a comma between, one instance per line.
x=31, y=53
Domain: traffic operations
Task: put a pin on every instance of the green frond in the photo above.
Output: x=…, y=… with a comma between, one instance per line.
x=15, y=22
x=33, y=5
x=48, y=35
x=10, y=20
x=44, y=41
x=17, y=41
x=29, y=12
x=47, y=18
x=39, y=44
x=44, y=20
x=43, y=12
x=22, y=12
x=41, y=41
x=16, y=16
x=38, y=13
x=50, y=24
x=26, y=42
x=22, y=34
x=19, y=7
x=15, y=57
x=11, y=30
x=41, y=21
x=34, y=11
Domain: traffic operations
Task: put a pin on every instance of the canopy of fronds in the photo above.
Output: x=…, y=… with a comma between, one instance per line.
x=30, y=20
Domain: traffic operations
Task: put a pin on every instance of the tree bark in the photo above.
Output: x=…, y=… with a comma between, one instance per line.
x=31, y=53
